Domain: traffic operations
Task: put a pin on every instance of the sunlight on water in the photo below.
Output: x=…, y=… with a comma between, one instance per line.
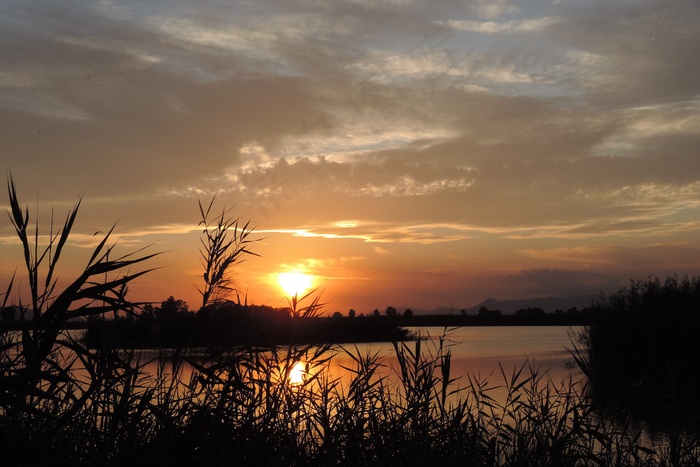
x=483, y=352
x=297, y=374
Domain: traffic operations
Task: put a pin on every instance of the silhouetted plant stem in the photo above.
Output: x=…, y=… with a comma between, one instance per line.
x=51, y=309
x=225, y=244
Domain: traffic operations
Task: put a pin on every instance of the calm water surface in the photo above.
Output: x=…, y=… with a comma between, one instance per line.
x=483, y=350
x=479, y=352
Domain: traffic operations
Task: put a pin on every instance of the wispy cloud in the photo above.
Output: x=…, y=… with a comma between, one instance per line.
x=376, y=232
x=494, y=27
x=664, y=256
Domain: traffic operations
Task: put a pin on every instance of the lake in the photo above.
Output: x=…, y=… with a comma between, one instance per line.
x=479, y=351
x=483, y=350
x=476, y=350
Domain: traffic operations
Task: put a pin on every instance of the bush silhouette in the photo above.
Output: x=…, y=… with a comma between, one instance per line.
x=642, y=353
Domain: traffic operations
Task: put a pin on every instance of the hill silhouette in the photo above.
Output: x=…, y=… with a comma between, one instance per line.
x=508, y=307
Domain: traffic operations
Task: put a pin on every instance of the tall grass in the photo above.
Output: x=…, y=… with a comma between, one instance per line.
x=224, y=244
x=245, y=405
x=40, y=393
x=241, y=409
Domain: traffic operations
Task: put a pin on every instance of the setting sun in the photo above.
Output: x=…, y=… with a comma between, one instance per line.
x=294, y=283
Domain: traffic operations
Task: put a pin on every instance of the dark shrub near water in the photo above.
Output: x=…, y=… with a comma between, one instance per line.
x=642, y=354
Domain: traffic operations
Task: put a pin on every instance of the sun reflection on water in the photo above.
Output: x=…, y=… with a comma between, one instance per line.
x=297, y=374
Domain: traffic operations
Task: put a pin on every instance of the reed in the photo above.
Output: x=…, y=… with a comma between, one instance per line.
x=224, y=244
x=238, y=406
x=39, y=387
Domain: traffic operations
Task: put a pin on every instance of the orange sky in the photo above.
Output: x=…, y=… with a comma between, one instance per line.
x=408, y=153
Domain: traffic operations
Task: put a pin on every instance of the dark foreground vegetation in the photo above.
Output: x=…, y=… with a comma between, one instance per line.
x=642, y=355
x=65, y=403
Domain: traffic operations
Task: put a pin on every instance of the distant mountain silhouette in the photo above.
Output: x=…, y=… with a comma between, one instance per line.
x=548, y=304
x=507, y=307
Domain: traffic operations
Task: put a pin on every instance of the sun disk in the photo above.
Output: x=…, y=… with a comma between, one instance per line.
x=294, y=283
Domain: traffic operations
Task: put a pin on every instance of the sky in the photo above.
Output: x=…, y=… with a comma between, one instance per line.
x=403, y=153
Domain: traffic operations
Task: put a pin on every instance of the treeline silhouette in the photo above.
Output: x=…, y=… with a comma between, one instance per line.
x=174, y=325
x=486, y=317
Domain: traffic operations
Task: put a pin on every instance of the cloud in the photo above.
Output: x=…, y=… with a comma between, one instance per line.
x=491, y=8
x=655, y=258
x=323, y=266
x=633, y=52
x=378, y=232
x=493, y=27
x=562, y=282
x=20, y=79
x=310, y=177
x=381, y=251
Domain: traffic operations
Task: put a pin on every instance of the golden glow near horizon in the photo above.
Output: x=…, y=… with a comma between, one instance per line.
x=294, y=283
